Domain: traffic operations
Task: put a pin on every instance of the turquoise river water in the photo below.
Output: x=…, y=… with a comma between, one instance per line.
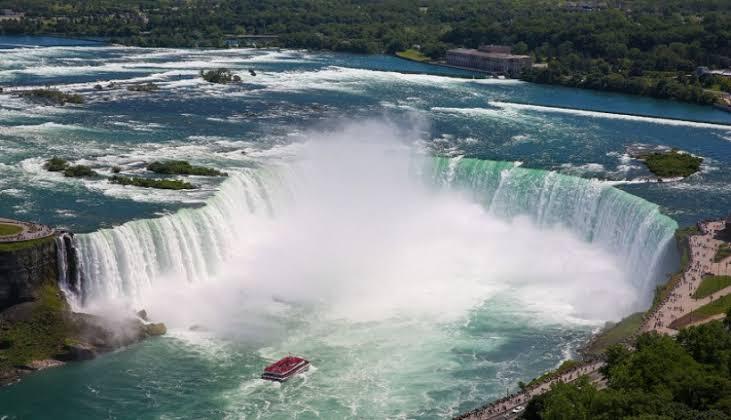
x=426, y=240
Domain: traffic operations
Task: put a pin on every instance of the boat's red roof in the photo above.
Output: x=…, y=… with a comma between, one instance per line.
x=285, y=365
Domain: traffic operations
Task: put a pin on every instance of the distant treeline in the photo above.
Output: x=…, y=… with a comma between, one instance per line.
x=645, y=47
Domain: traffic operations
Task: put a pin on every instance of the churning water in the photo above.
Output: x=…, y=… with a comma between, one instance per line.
x=425, y=241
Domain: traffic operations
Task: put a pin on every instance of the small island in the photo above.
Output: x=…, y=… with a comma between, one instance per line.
x=671, y=163
x=52, y=96
x=220, y=76
x=56, y=164
x=161, y=184
x=143, y=87
x=181, y=167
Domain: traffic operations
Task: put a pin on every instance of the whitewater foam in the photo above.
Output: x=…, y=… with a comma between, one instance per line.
x=608, y=115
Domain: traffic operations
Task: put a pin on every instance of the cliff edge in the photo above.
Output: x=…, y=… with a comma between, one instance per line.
x=38, y=328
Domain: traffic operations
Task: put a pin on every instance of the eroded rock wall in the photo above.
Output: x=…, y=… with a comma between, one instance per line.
x=23, y=270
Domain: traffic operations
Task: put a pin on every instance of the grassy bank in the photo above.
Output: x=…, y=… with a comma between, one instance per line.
x=16, y=246
x=40, y=335
x=412, y=55
x=717, y=307
x=7, y=229
x=711, y=285
x=723, y=252
x=615, y=334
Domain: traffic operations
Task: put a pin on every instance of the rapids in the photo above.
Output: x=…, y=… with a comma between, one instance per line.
x=426, y=241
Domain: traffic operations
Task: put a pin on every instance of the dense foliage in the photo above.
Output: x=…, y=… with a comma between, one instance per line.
x=52, y=96
x=636, y=46
x=181, y=167
x=220, y=76
x=55, y=164
x=665, y=378
x=672, y=164
x=78, y=171
x=162, y=184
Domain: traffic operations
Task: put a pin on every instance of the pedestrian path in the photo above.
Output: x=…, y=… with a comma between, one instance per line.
x=680, y=302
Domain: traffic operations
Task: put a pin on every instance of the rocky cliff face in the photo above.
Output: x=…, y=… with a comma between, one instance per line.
x=23, y=269
x=38, y=328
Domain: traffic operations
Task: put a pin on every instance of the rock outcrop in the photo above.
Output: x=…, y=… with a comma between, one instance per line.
x=38, y=328
x=24, y=269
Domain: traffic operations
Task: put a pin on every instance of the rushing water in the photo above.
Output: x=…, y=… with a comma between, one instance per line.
x=419, y=286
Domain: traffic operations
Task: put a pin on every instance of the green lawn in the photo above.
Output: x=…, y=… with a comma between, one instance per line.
x=616, y=334
x=711, y=285
x=7, y=229
x=723, y=251
x=15, y=246
x=412, y=55
x=716, y=307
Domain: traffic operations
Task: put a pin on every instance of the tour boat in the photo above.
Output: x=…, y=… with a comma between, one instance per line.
x=285, y=368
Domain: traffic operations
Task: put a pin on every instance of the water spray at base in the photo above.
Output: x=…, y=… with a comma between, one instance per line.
x=360, y=223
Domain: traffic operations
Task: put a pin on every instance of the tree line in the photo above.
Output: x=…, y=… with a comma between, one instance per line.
x=635, y=46
x=686, y=377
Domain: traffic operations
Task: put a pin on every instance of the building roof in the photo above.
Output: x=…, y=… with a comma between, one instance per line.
x=479, y=53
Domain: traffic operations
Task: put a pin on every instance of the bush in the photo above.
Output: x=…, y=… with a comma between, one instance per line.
x=143, y=87
x=55, y=164
x=220, y=76
x=672, y=164
x=78, y=171
x=53, y=96
x=181, y=167
x=162, y=184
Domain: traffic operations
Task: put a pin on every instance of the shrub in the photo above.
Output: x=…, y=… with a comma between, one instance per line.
x=78, y=171
x=53, y=96
x=143, y=87
x=55, y=164
x=672, y=164
x=163, y=184
x=181, y=167
x=220, y=76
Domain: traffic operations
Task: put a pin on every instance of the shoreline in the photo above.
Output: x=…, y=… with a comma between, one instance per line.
x=666, y=316
x=716, y=105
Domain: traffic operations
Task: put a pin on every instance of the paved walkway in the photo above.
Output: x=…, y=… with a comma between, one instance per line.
x=502, y=407
x=30, y=231
x=680, y=301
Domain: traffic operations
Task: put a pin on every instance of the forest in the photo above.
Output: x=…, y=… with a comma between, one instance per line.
x=643, y=47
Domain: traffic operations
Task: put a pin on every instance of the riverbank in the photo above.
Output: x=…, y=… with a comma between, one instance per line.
x=678, y=308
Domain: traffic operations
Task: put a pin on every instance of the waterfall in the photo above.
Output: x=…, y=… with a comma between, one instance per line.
x=69, y=273
x=187, y=246
x=626, y=225
x=190, y=245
